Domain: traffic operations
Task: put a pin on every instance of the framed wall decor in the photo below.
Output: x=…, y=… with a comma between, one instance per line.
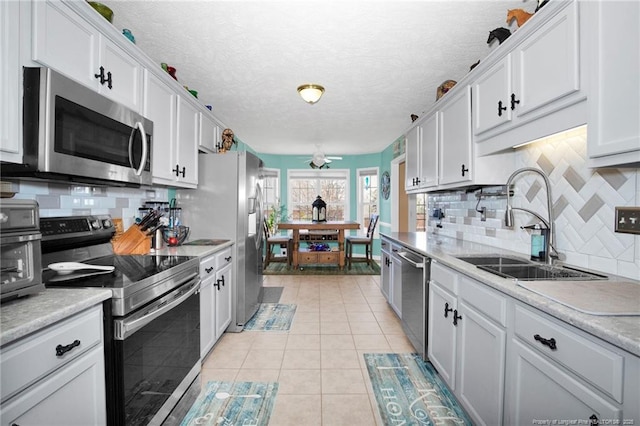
x=386, y=185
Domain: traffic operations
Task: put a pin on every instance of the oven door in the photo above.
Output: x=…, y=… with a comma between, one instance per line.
x=156, y=356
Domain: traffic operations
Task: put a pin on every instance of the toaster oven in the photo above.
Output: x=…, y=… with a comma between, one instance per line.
x=21, y=256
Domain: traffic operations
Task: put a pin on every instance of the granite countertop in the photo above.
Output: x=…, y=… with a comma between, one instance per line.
x=21, y=317
x=621, y=331
x=197, y=251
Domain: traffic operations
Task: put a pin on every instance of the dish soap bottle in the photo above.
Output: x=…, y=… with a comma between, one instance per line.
x=539, y=243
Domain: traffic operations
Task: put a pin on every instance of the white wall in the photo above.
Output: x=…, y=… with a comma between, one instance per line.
x=584, y=200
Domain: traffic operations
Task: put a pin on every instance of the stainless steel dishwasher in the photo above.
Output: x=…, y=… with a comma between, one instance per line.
x=415, y=271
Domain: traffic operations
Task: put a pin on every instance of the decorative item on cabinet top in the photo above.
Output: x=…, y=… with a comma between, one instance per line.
x=501, y=34
x=228, y=140
x=520, y=15
x=444, y=88
x=102, y=10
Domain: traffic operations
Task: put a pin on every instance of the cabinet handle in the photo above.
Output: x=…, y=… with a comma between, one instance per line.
x=101, y=75
x=594, y=420
x=447, y=309
x=464, y=170
x=228, y=259
x=209, y=270
x=456, y=317
x=514, y=101
x=61, y=350
x=547, y=342
x=177, y=170
x=220, y=282
x=109, y=81
x=501, y=108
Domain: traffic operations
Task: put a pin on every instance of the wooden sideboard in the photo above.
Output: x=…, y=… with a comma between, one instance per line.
x=332, y=231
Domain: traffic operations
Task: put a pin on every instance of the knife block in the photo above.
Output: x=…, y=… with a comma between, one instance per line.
x=132, y=241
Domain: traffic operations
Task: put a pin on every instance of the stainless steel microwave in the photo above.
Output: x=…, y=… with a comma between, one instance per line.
x=72, y=133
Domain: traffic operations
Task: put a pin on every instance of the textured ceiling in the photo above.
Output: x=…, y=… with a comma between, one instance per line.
x=379, y=61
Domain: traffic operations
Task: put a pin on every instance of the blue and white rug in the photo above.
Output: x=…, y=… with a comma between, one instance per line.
x=272, y=317
x=410, y=392
x=233, y=404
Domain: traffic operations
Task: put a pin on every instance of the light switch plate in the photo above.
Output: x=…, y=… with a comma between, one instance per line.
x=627, y=220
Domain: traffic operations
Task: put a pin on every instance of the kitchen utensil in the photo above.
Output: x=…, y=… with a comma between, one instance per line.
x=64, y=268
x=225, y=395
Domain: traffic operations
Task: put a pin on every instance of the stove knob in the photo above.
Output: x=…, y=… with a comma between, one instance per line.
x=106, y=223
x=95, y=224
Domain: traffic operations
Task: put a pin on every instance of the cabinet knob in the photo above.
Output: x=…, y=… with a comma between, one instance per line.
x=228, y=259
x=514, y=101
x=593, y=420
x=101, y=75
x=208, y=270
x=464, y=170
x=501, y=108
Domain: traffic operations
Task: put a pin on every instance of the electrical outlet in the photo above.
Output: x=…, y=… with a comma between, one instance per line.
x=627, y=220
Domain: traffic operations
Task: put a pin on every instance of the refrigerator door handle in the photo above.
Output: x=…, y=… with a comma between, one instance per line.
x=260, y=216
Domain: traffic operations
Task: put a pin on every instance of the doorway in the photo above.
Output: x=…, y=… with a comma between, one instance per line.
x=400, y=202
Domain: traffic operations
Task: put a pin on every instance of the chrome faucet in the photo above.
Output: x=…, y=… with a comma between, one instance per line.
x=508, y=216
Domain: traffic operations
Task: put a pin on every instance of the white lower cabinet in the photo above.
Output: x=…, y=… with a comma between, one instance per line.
x=395, y=284
x=41, y=385
x=583, y=379
x=385, y=269
x=224, y=281
x=467, y=341
x=215, y=298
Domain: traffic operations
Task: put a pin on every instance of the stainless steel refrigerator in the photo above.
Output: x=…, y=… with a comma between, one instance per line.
x=228, y=205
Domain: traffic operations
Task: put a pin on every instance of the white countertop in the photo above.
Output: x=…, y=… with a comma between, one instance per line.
x=621, y=331
x=198, y=251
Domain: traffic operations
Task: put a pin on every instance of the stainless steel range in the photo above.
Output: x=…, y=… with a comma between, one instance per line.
x=152, y=332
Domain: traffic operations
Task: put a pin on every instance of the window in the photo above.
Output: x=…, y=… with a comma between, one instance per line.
x=305, y=185
x=270, y=190
x=367, y=195
x=421, y=212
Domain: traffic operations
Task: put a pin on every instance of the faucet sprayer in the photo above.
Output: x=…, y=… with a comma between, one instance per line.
x=509, y=219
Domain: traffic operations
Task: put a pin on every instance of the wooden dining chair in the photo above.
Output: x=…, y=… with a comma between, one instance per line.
x=366, y=240
x=276, y=241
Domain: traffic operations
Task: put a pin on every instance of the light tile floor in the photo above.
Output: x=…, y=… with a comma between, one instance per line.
x=318, y=364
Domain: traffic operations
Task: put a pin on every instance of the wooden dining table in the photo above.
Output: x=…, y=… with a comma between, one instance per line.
x=325, y=232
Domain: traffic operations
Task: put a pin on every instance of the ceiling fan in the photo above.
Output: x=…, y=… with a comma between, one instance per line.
x=320, y=161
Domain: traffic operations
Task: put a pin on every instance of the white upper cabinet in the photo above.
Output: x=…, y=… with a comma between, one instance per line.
x=412, y=158
x=422, y=155
x=456, y=150
x=210, y=133
x=186, y=160
x=10, y=83
x=614, y=93
x=66, y=42
x=536, y=87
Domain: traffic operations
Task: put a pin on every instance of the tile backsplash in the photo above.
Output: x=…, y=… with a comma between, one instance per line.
x=59, y=199
x=584, y=202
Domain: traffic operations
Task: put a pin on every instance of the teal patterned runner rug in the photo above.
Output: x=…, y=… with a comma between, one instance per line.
x=233, y=404
x=272, y=317
x=410, y=392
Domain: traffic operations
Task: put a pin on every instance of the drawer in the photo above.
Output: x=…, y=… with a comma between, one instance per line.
x=208, y=267
x=587, y=358
x=223, y=258
x=446, y=277
x=488, y=301
x=328, y=257
x=307, y=257
x=27, y=360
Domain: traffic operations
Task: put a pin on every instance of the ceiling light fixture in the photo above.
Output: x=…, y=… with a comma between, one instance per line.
x=311, y=93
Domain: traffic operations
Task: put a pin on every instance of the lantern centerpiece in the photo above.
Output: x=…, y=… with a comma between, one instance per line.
x=319, y=209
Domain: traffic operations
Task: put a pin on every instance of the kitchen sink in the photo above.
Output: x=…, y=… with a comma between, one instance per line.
x=541, y=273
x=524, y=270
x=494, y=260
